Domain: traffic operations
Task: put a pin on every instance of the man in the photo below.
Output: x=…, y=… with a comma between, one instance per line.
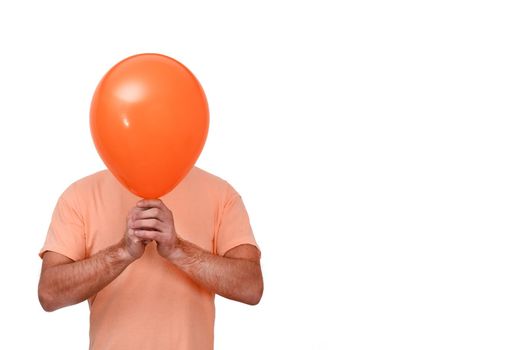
x=150, y=279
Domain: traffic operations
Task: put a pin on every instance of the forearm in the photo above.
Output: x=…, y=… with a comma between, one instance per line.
x=237, y=279
x=71, y=283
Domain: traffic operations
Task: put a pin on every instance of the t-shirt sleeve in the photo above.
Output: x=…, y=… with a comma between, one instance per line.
x=66, y=231
x=234, y=224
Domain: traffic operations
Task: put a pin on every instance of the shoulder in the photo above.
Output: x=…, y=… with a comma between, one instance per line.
x=72, y=194
x=205, y=177
x=91, y=181
x=211, y=183
x=92, y=186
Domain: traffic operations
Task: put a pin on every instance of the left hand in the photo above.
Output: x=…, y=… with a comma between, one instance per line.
x=155, y=222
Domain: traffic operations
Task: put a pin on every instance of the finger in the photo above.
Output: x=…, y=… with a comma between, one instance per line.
x=135, y=239
x=138, y=240
x=150, y=203
x=152, y=213
x=147, y=235
x=133, y=211
x=147, y=223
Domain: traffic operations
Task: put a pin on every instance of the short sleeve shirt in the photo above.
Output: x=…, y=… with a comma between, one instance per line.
x=151, y=304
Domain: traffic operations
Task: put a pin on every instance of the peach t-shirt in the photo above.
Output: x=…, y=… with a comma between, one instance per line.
x=151, y=304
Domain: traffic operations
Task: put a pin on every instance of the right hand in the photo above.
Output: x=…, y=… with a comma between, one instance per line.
x=132, y=245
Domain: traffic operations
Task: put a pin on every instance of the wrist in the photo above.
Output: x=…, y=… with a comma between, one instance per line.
x=124, y=256
x=177, y=253
x=183, y=254
x=121, y=255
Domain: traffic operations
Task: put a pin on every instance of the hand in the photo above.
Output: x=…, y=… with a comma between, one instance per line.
x=132, y=245
x=154, y=221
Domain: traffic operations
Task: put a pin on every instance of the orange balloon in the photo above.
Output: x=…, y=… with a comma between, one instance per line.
x=149, y=121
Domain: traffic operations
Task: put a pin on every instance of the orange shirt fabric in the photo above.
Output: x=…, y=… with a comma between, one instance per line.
x=151, y=304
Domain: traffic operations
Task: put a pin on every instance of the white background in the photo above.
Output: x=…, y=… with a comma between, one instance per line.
x=378, y=146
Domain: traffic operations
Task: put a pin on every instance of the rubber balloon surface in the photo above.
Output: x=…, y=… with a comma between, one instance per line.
x=149, y=121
